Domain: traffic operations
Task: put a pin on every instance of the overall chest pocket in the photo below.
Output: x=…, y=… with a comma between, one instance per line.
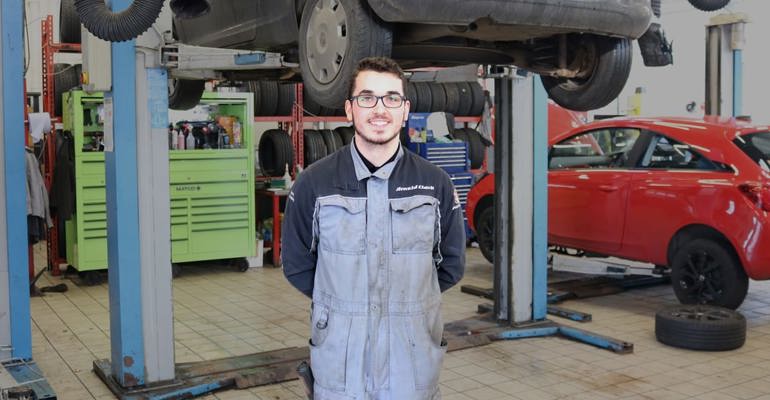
x=341, y=224
x=414, y=223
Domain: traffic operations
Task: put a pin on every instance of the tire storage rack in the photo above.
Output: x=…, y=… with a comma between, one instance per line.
x=211, y=190
x=57, y=79
x=287, y=105
x=283, y=147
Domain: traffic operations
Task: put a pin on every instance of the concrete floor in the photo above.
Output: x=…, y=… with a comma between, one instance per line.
x=219, y=312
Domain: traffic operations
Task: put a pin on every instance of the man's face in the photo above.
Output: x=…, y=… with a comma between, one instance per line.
x=379, y=124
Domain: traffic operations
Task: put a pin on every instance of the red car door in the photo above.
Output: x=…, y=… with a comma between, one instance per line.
x=586, y=208
x=588, y=185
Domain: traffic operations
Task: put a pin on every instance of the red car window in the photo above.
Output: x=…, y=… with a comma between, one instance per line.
x=756, y=146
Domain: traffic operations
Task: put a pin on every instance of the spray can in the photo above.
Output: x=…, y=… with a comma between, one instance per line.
x=237, y=135
x=180, y=140
x=190, y=145
x=172, y=138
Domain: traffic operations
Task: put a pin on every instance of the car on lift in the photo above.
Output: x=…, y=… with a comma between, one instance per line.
x=582, y=49
x=690, y=196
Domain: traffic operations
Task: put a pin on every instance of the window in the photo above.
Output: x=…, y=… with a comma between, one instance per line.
x=757, y=146
x=604, y=148
x=667, y=153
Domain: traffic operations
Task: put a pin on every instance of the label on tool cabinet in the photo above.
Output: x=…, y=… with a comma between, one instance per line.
x=109, y=143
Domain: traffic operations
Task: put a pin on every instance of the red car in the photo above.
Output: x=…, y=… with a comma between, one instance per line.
x=690, y=195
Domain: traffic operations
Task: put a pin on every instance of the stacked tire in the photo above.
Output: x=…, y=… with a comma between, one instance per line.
x=346, y=134
x=272, y=98
x=322, y=142
x=457, y=98
x=275, y=152
x=69, y=22
x=275, y=98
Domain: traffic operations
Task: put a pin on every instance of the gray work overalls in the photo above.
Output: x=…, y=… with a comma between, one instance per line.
x=376, y=330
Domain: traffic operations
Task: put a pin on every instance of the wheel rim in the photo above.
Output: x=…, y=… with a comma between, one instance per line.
x=327, y=40
x=701, y=314
x=700, y=279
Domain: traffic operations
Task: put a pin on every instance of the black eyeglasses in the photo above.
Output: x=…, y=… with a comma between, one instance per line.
x=370, y=100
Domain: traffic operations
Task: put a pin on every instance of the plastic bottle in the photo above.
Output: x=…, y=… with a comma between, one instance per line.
x=287, y=178
x=190, y=145
x=236, y=135
x=173, y=139
x=180, y=140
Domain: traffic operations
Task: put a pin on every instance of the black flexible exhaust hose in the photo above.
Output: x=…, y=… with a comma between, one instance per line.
x=121, y=26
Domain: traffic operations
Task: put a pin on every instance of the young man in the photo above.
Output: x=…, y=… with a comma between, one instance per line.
x=373, y=234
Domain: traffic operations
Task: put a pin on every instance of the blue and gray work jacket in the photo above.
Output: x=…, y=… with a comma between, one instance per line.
x=374, y=251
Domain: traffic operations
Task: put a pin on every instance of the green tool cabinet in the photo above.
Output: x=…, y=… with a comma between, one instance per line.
x=211, y=190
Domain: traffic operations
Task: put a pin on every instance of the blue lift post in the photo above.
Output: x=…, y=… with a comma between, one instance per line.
x=521, y=166
x=139, y=260
x=126, y=339
x=142, y=364
x=15, y=323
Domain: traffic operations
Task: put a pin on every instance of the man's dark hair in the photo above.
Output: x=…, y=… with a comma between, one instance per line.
x=377, y=64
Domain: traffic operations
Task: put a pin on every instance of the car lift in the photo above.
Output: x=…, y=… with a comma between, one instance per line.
x=520, y=291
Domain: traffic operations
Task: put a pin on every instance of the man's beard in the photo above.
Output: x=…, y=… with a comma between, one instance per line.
x=375, y=140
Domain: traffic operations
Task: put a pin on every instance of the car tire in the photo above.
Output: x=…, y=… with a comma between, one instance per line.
x=609, y=61
x=476, y=148
x=275, y=152
x=332, y=141
x=700, y=327
x=704, y=271
x=709, y=5
x=346, y=133
x=184, y=94
x=269, y=92
x=437, y=96
x=69, y=22
x=424, y=97
x=285, y=101
x=465, y=99
x=326, y=64
x=485, y=233
x=452, y=97
x=314, y=146
x=478, y=98
x=253, y=87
